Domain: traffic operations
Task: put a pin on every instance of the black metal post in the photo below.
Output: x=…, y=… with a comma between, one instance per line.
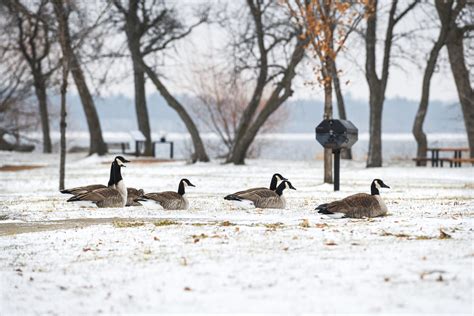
x=337, y=159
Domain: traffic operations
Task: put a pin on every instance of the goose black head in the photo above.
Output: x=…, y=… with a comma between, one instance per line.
x=376, y=185
x=275, y=178
x=120, y=161
x=184, y=183
x=284, y=185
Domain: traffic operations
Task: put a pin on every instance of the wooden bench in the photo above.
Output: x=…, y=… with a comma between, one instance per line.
x=453, y=162
x=437, y=161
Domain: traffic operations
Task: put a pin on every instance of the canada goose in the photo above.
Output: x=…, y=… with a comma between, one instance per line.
x=273, y=184
x=264, y=198
x=170, y=200
x=358, y=205
x=115, y=195
x=133, y=195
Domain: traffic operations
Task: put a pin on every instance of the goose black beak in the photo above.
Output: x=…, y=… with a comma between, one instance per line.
x=191, y=185
x=292, y=187
x=126, y=160
x=385, y=186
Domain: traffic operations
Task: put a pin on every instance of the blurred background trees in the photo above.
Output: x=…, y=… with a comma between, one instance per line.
x=264, y=51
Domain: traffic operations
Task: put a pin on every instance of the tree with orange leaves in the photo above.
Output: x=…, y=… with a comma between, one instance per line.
x=327, y=24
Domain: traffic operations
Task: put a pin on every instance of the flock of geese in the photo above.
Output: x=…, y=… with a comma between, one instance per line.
x=115, y=194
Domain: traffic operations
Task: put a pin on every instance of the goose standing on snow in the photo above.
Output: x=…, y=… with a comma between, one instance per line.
x=170, y=200
x=273, y=184
x=263, y=197
x=358, y=205
x=115, y=195
x=133, y=195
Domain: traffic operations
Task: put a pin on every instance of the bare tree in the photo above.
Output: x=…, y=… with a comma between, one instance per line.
x=266, y=49
x=33, y=42
x=62, y=10
x=378, y=84
x=327, y=25
x=135, y=31
x=16, y=113
x=152, y=29
x=220, y=102
x=418, y=133
x=459, y=20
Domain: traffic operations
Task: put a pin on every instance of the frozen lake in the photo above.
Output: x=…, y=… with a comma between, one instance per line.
x=297, y=146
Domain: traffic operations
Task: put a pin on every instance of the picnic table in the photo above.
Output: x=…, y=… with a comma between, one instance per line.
x=164, y=141
x=124, y=145
x=436, y=161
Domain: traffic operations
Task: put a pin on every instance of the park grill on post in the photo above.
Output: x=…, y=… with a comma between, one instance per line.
x=335, y=135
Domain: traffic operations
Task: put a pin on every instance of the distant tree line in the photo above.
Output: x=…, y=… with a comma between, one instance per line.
x=45, y=42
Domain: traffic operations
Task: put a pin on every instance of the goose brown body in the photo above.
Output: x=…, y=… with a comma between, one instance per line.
x=263, y=197
x=170, y=200
x=358, y=205
x=115, y=195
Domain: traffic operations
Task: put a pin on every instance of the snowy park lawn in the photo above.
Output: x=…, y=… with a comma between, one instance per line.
x=62, y=258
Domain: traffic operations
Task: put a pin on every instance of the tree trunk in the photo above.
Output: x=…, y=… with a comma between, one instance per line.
x=327, y=116
x=374, y=158
x=418, y=133
x=134, y=34
x=97, y=144
x=199, y=150
x=455, y=47
x=62, y=126
x=341, y=108
x=141, y=107
x=40, y=90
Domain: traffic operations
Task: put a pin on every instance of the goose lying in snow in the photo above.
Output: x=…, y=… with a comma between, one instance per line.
x=263, y=197
x=133, y=195
x=273, y=184
x=115, y=195
x=358, y=205
x=170, y=200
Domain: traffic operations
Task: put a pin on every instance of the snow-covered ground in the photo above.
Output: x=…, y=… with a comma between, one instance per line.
x=61, y=258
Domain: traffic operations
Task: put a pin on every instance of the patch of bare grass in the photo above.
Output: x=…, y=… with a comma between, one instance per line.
x=126, y=224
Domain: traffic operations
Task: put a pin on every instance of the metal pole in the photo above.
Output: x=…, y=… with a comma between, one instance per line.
x=337, y=157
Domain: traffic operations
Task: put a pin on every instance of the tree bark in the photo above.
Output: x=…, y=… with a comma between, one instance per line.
x=418, y=133
x=97, y=144
x=62, y=125
x=327, y=115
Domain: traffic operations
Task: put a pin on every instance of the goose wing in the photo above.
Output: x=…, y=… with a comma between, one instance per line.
x=83, y=189
x=169, y=200
x=134, y=196
x=258, y=195
x=98, y=195
x=248, y=190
